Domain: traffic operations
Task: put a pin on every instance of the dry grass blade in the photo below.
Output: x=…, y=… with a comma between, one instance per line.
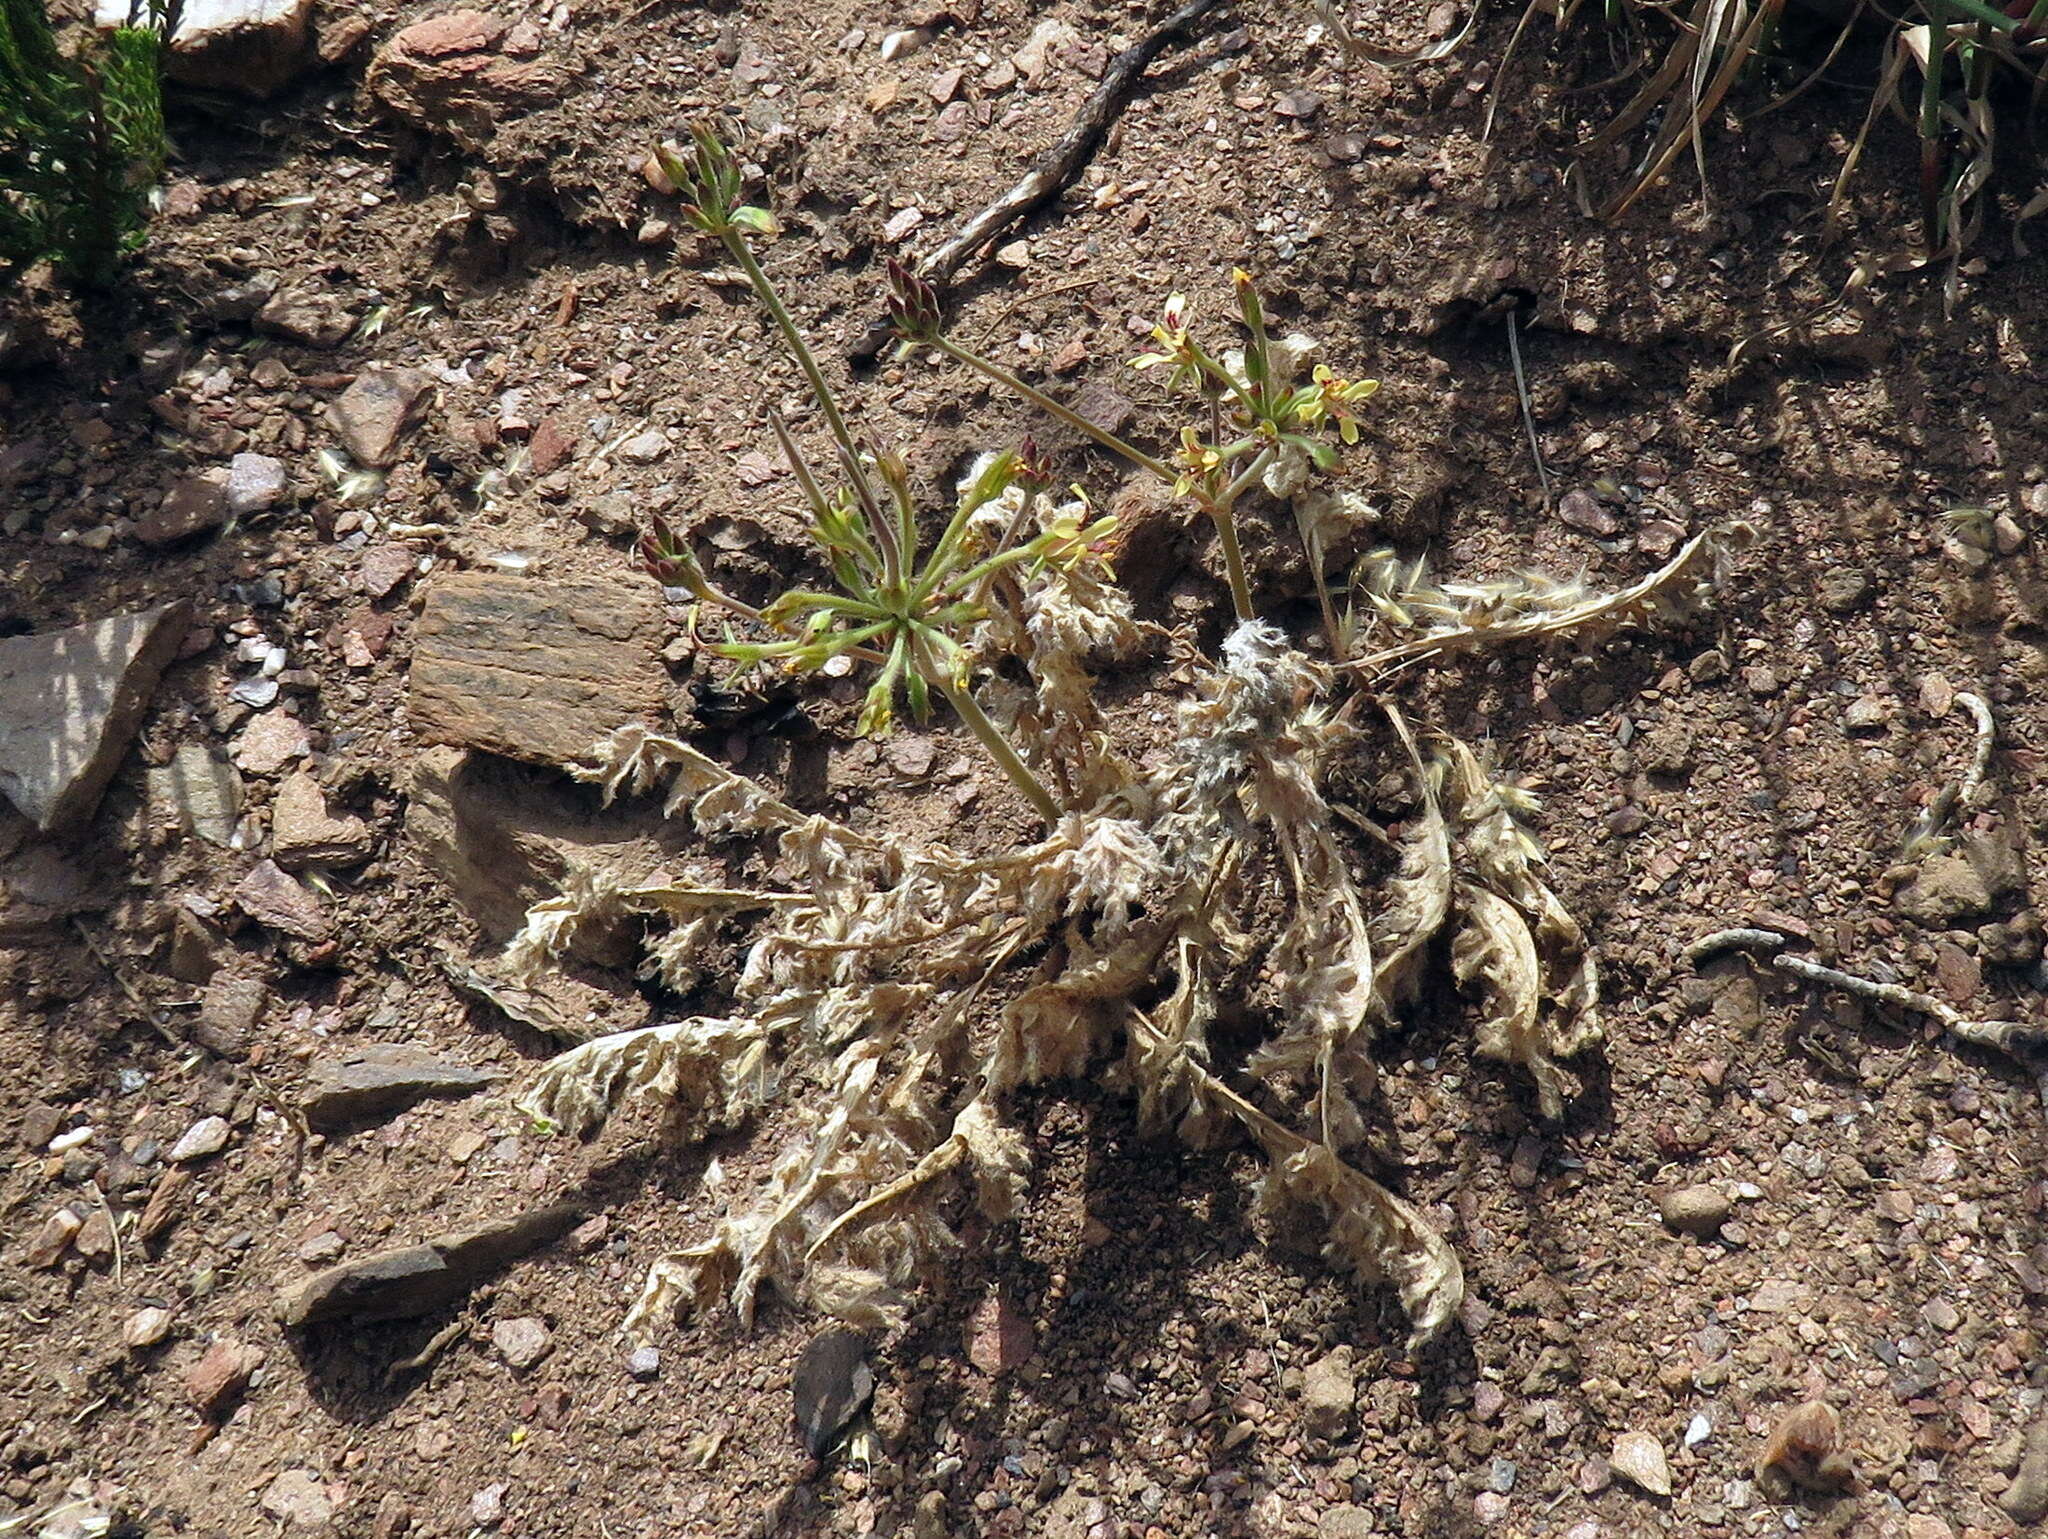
x=1332, y=14
x=1723, y=30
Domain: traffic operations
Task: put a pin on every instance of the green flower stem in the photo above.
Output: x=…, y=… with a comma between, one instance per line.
x=849, y=452
x=1027, y=510
x=1990, y=16
x=1930, y=121
x=1248, y=480
x=1225, y=378
x=1048, y=405
x=998, y=746
x=742, y=253
x=706, y=593
x=1233, y=563
x=1223, y=512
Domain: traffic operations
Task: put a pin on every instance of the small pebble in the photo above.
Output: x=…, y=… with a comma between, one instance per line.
x=1582, y=511
x=522, y=1342
x=1639, y=1457
x=644, y=1363
x=1695, y=1210
x=487, y=1507
x=209, y=1135
x=145, y=1328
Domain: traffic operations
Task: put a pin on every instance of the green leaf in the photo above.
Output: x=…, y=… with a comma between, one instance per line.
x=920, y=695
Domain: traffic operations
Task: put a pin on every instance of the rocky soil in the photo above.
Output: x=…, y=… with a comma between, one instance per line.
x=317, y=558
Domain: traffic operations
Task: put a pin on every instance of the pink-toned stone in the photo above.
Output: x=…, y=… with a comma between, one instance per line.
x=999, y=1337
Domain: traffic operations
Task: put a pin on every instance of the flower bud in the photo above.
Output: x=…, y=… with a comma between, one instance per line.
x=913, y=304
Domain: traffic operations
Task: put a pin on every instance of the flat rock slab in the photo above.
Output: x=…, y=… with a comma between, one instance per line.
x=457, y=74
x=412, y=1280
x=45, y=881
x=534, y=669
x=381, y=1080
x=271, y=741
x=70, y=701
x=197, y=504
x=315, y=320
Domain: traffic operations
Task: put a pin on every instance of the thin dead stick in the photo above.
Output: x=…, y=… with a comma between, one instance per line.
x=435, y=1346
x=1054, y=170
x=113, y=1229
x=150, y=1014
x=1333, y=16
x=2007, y=1036
x=1528, y=408
x=988, y=332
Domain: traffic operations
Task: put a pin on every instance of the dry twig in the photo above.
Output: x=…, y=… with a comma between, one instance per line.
x=2007, y=1036
x=1055, y=169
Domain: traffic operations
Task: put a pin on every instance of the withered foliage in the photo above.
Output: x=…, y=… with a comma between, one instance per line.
x=894, y=995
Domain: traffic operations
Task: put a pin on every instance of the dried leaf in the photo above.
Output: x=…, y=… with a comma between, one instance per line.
x=1458, y=618
x=703, y=1063
x=1418, y=899
x=1495, y=951
x=1372, y=1234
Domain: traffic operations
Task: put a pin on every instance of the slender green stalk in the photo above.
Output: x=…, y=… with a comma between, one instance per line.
x=1261, y=462
x=742, y=253
x=1977, y=79
x=1233, y=565
x=1048, y=405
x=1977, y=10
x=998, y=747
x=1223, y=513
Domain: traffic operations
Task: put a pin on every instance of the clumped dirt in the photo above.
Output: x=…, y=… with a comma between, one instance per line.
x=1167, y=1371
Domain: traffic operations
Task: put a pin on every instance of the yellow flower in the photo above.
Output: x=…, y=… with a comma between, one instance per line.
x=1172, y=336
x=1330, y=398
x=1198, y=462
